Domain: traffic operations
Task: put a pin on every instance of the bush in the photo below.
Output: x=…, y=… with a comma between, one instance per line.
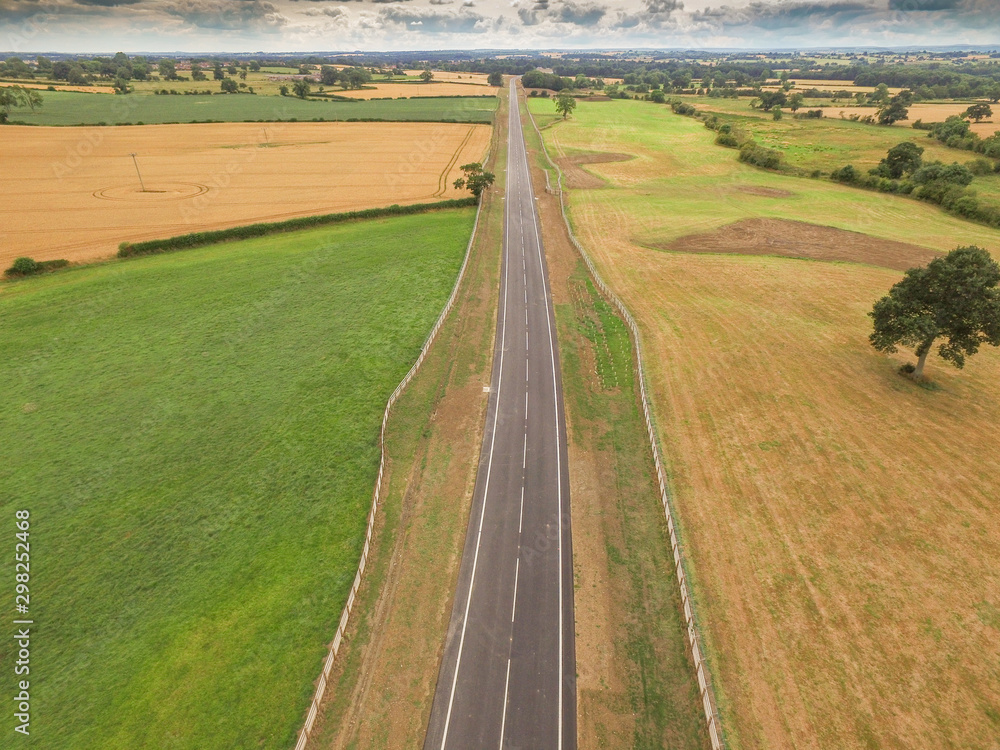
x=27, y=266
x=728, y=140
x=23, y=267
x=683, y=108
x=980, y=167
x=758, y=156
x=847, y=175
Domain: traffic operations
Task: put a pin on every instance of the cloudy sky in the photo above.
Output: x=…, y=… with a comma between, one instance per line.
x=301, y=25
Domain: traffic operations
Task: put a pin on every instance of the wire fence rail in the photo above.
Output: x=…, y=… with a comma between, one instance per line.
x=702, y=674
x=321, y=685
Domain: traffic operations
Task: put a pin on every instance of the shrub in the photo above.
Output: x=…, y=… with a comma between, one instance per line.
x=27, y=266
x=23, y=267
x=847, y=175
x=683, y=108
x=727, y=139
x=759, y=156
x=980, y=167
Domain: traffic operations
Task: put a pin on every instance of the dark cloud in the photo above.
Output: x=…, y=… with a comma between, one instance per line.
x=427, y=21
x=579, y=14
x=923, y=5
x=226, y=15
x=657, y=14
x=585, y=13
x=777, y=16
x=328, y=12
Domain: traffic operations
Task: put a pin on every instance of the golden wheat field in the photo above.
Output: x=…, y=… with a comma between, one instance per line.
x=410, y=90
x=74, y=193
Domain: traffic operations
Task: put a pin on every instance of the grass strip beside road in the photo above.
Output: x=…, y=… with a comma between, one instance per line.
x=383, y=682
x=635, y=679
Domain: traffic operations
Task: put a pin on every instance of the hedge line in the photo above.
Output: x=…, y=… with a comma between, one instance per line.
x=197, y=239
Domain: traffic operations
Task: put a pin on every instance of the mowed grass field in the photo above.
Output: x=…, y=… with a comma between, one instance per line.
x=840, y=522
x=74, y=193
x=195, y=436
x=69, y=108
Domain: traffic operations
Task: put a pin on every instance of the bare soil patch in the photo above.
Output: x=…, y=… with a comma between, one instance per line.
x=73, y=193
x=576, y=176
x=766, y=191
x=798, y=239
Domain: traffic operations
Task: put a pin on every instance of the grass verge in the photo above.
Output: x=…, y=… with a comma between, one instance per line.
x=635, y=684
x=382, y=685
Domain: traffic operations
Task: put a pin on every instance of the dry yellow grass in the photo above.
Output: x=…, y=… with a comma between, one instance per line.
x=409, y=90
x=73, y=192
x=478, y=79
x=941, y=112
x=61, y=87
x=840, y=521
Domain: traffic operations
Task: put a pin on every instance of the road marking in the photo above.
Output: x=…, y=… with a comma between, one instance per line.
x=555, y=392
x=486, y=491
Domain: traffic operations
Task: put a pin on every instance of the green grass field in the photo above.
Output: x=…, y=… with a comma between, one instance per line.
x=70, y=108
x=195, y=436
x=690, y=185
x=829, y=143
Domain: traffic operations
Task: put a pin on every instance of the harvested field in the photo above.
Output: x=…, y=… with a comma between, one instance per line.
x=421, y=89
x=74, y=193
x=840, y=521
x=477, y=79
x=798, y=239
x=578, y=177
x=941, y=112
x=59, y=87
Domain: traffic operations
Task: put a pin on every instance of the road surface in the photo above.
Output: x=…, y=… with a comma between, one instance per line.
x=507, y=679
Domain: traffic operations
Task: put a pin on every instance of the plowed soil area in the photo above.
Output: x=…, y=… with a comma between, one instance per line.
x=409, y=90
x=576, y=176
x=797, y=239
x=74, y=193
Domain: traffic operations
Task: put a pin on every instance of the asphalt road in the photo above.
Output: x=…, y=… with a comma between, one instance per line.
x=507, y=679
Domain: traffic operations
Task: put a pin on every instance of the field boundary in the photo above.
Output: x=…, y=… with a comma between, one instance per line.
x=702, y=674
x=306, y=730
x=261, y=229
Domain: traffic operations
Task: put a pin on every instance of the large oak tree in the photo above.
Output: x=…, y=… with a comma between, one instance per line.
x=954, y=297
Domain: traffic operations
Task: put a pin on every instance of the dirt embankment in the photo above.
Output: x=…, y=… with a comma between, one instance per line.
x=798, y=239
x=575, y=176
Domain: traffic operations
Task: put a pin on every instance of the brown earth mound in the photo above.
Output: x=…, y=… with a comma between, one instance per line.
x=766, y=191
x=577, y=177
x=797, y=239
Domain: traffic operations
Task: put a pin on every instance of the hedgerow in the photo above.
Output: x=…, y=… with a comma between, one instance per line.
x=197, y=239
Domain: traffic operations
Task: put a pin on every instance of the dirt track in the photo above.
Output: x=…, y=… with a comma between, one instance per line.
x=73, y=193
